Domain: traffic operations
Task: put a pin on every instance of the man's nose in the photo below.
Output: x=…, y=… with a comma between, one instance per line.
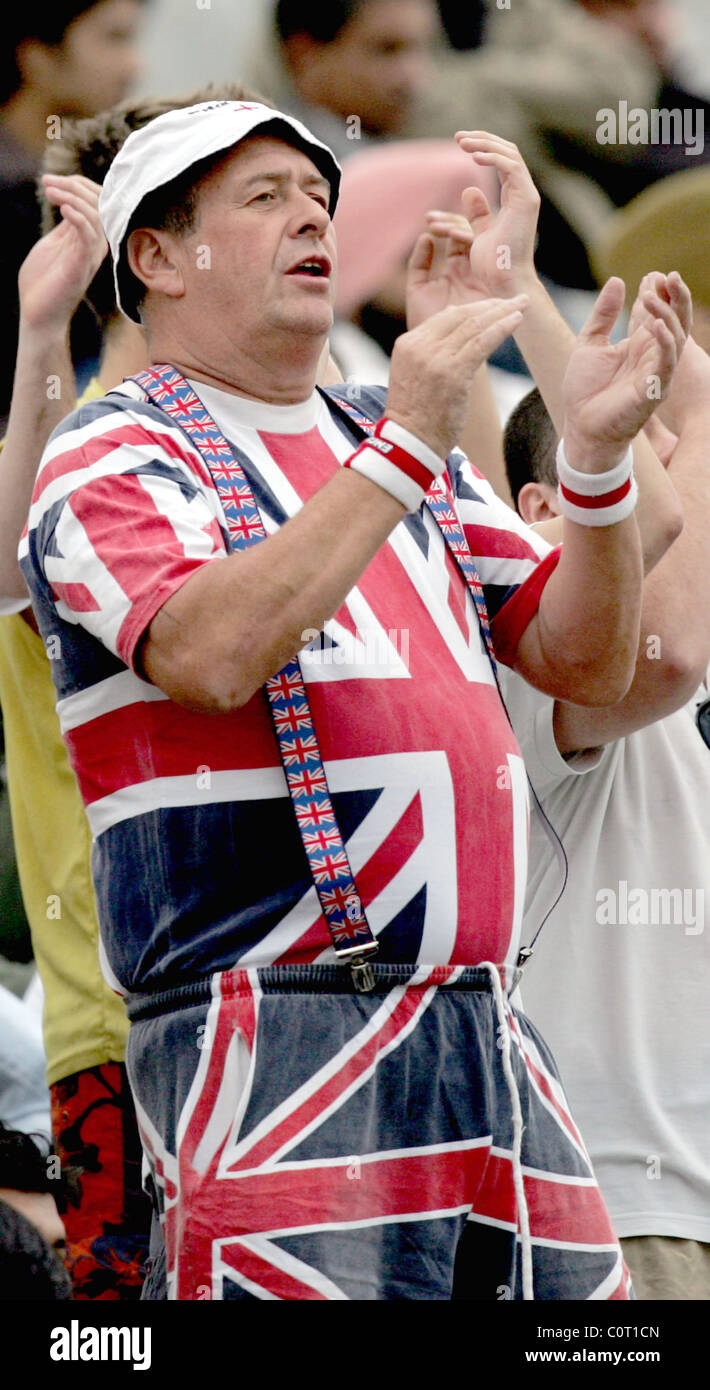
x=311, y=215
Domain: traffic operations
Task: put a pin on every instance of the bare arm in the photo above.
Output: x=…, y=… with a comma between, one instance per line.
x=546, y=346
x=274, y=593
x=502, y=262
x=52, y=281
x=42, y=396
x=605, y=405
x=674, y=651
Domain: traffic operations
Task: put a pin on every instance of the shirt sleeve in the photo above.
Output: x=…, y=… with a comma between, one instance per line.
x=519, y=605
x=116, y=545
x=513, y=561
x=532, y=714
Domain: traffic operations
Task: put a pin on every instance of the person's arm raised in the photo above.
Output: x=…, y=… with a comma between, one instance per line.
x=52, y=281
x=674, y=651
x=235, y=623
x=502, y=263
x=585, y=634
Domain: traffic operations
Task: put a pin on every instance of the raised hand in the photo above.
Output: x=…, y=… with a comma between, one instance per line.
x=503, y=247
x=56, y=274
x=439, y=272
x=689, y=392
x=670, y=288
x=676, y=293
x=433, y=366
x=611, y=389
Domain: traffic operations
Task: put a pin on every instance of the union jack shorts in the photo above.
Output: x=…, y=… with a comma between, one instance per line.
x=305, y=1141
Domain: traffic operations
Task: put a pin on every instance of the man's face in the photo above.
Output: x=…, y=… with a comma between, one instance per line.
x=261, y=256
x=376, y=67
x=97, y=60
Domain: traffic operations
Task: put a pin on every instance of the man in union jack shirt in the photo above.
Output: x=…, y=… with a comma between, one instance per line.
x=305, y=1140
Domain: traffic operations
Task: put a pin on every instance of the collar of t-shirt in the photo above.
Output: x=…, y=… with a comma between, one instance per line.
x=232, y=412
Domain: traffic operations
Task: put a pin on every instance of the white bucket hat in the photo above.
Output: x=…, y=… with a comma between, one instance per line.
x=168, y=145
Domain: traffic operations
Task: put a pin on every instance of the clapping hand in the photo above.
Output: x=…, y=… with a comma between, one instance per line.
x=439, y=271
x=611, y=389
x=503, y=241
x=56, y=274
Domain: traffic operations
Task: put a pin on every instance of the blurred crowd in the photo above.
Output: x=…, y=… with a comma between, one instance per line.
x=605, y=103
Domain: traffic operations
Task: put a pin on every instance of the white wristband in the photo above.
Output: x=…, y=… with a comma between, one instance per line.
x=398, y=462
x=596, y=499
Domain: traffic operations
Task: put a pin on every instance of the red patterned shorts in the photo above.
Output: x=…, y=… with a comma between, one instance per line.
x=95, y=1133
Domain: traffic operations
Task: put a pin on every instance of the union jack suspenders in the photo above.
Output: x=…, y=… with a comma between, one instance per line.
x=353, y=940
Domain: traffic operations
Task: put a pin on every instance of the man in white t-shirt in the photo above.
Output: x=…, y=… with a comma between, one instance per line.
x=619, y=979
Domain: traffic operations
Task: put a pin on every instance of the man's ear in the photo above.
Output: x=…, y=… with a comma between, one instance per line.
x=537, y=502
x=151, y=257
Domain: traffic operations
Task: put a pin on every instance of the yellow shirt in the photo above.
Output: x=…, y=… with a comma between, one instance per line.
x=84, y=1021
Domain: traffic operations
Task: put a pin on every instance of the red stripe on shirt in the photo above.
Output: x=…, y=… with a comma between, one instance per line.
x=138, y=546
x=373, y=878
x=495, y=542
x=307, y=459
x=511, y=621
x=77, y=597
x=93, y=450
x=108, y=753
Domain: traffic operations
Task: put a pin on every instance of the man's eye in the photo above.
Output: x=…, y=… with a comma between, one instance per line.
x=319, y=198
x=261, y=197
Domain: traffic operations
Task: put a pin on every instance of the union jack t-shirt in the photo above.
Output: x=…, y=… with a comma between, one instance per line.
x=197, y=859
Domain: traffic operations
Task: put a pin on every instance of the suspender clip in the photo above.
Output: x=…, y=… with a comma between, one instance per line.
x=363, y=978
x=360, y=968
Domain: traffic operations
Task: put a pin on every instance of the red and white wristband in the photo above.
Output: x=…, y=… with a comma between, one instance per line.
x=397, y=461
x=596, y=499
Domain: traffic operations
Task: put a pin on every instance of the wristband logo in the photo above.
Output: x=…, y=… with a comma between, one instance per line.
x=375, y=442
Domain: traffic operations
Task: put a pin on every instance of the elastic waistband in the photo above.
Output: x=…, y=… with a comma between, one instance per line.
x=309, y=979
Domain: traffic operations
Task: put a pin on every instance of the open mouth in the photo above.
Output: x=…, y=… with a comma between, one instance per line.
x=315, y=267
